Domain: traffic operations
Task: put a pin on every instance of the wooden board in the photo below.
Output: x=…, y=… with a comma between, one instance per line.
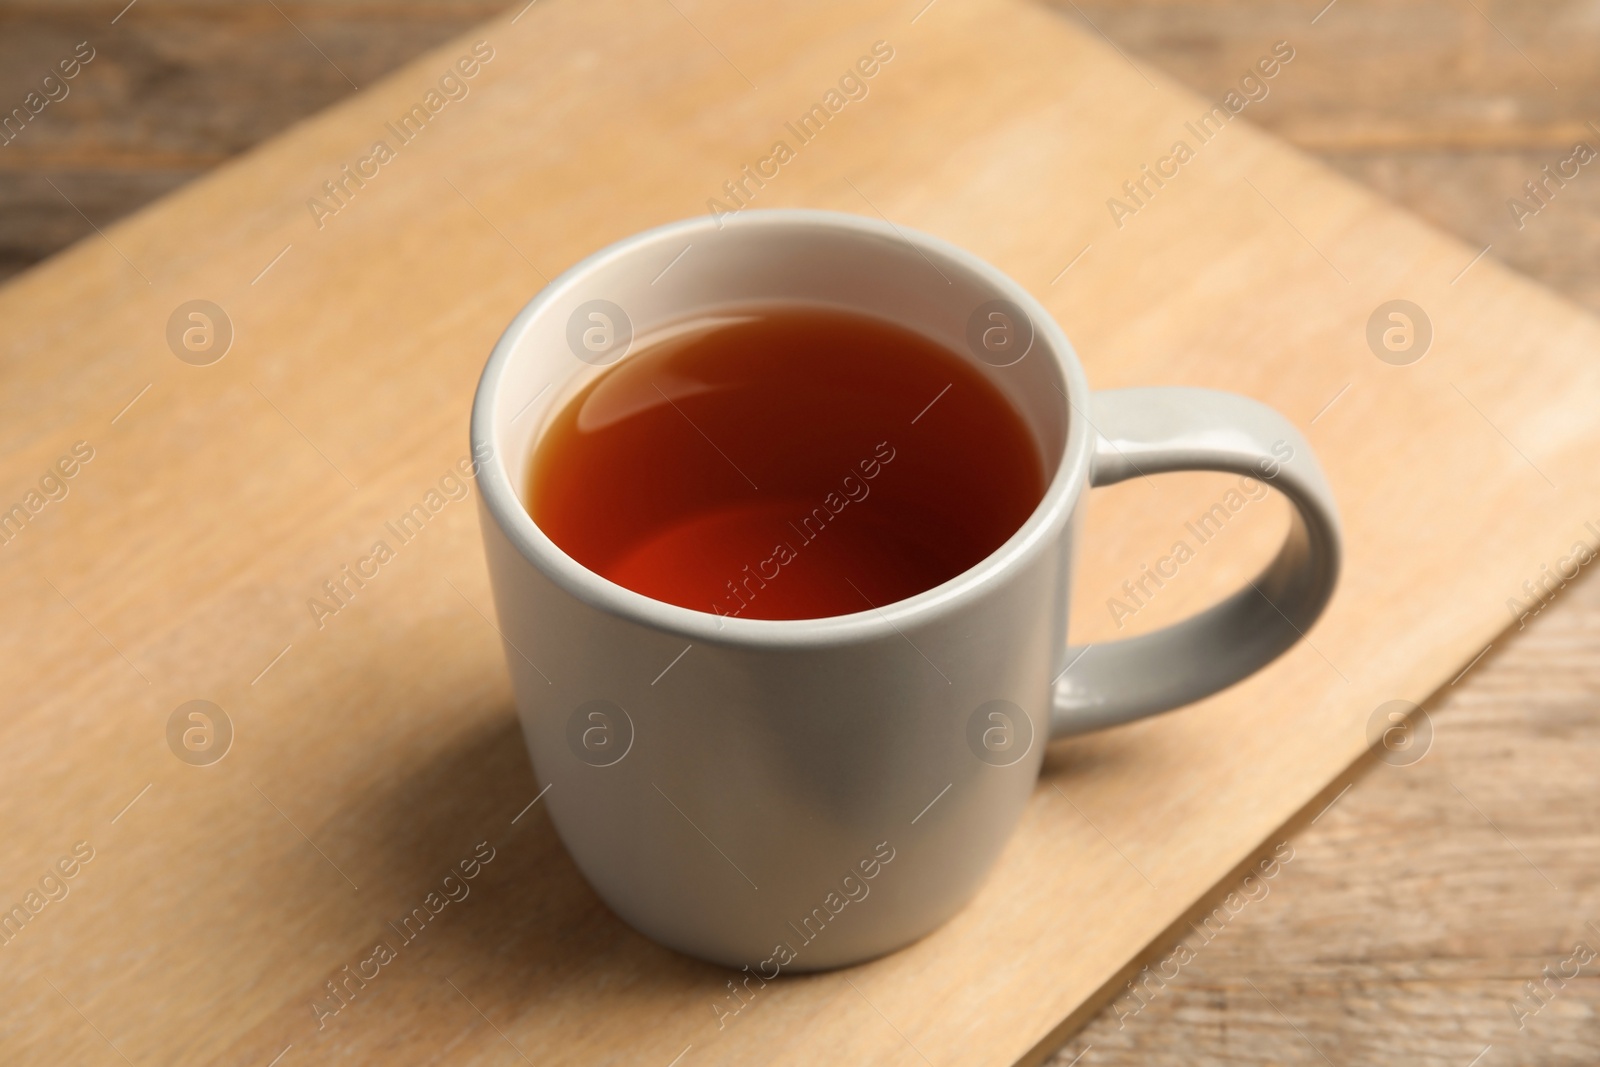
x=380, y=750
x=1420, y=902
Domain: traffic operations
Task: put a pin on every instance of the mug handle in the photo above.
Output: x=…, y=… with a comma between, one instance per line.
x=1156, y=430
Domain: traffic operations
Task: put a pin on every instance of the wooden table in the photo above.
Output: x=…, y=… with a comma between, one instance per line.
x=1361, y=950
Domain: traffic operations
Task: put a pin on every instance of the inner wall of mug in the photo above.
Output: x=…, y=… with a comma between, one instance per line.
x=668, y=275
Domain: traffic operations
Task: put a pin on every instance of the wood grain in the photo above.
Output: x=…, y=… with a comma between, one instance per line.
x=175, y=89
x=1411, y=932
x=1420, y=903
x=387, y=749
x=1445, y=108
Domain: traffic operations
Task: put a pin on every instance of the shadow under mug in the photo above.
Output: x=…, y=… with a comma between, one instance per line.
x=792, y=795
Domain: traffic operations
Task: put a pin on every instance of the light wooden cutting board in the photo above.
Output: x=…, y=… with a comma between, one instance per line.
x=376, y=749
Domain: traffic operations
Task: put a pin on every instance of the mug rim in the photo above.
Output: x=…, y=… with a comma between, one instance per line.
x=505, y=505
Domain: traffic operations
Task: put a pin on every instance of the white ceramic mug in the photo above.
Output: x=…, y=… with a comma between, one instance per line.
x=796, y=795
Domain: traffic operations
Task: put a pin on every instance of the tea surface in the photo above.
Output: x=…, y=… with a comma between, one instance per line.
x=789, y=462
